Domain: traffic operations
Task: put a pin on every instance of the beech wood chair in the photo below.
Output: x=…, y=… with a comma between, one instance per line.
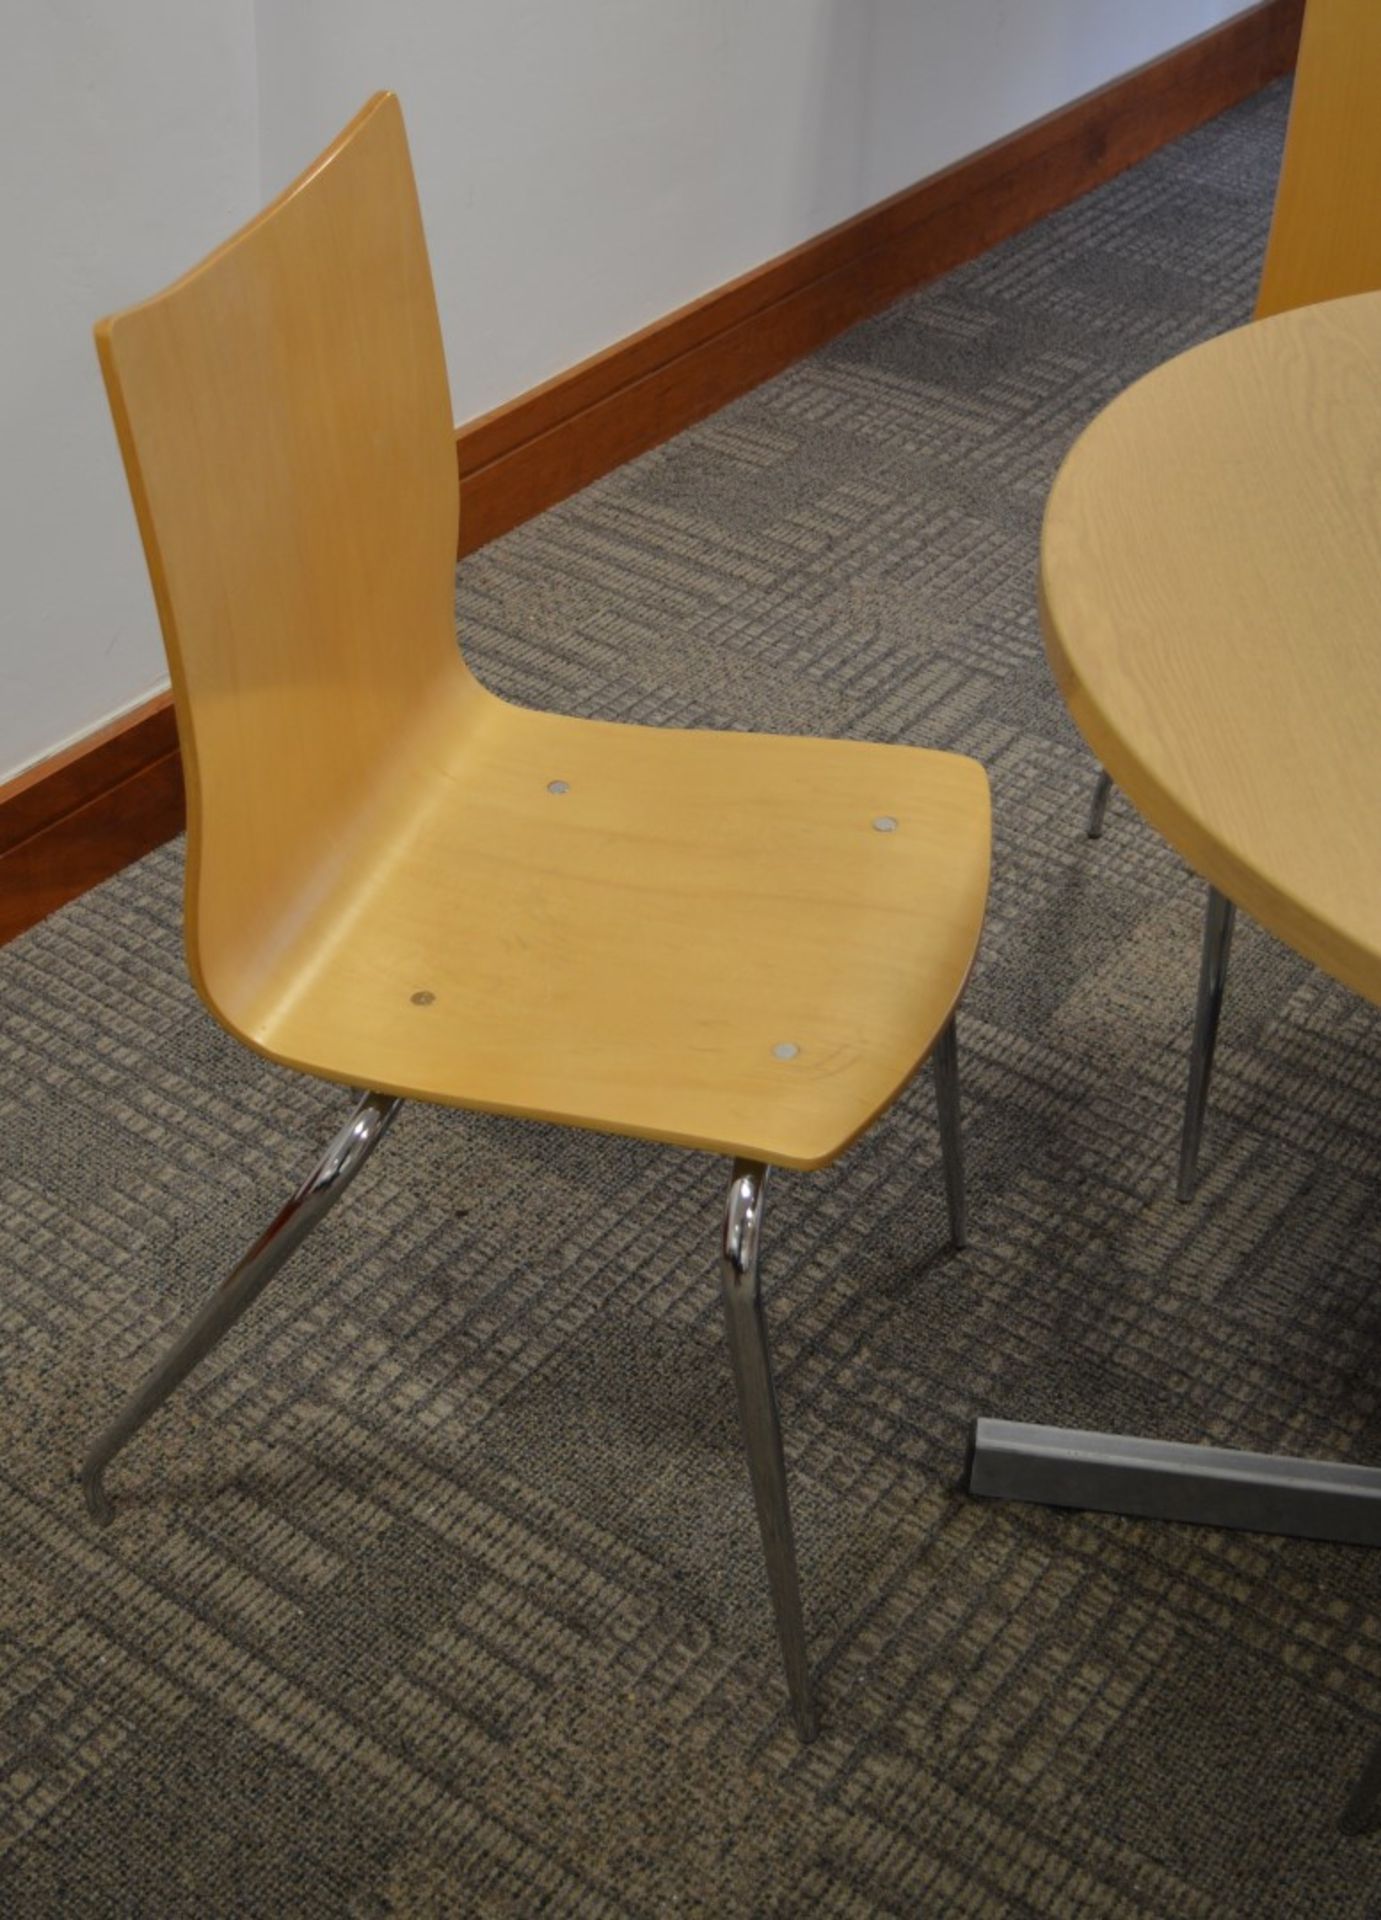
x=1325, y=241
x=399, y=882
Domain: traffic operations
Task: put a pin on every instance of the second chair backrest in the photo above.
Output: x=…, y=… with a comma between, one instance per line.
x=1326, y=234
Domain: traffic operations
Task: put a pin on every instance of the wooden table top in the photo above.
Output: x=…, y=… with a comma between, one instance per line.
x=1211, y=600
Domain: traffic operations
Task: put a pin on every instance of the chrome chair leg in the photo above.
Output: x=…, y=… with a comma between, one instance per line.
x=343, y=1159
x=1101, y=791
x=1213, y=972
x=762, y=1434
x=945, y=1060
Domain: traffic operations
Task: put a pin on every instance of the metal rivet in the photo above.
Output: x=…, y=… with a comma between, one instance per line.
x=885, y=823
x=422, y=998
x=786, y=1050
x=558, y=786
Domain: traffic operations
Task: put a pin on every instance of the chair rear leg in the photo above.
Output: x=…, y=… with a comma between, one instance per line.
x=342, y=1160
x=762, y=1435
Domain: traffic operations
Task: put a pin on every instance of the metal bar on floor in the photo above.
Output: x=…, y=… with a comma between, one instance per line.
x=1169, y=1480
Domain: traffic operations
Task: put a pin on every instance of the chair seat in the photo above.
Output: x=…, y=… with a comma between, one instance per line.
x=637, y=951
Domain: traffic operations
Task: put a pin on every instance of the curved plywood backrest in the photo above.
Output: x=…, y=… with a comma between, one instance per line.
x=1326, y=234
x=286, y=427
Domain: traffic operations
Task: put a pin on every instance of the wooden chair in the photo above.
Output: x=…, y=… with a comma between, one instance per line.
x=399, y=882
x=1325, y=238
x=1325, y=241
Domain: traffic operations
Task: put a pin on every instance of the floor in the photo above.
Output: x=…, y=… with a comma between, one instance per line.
x=439, y=1591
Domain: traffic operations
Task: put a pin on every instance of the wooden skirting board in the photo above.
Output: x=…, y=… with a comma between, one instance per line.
x=75, y=819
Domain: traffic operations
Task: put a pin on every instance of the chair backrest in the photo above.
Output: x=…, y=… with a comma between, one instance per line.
x=285, y=421
x=1326, y=234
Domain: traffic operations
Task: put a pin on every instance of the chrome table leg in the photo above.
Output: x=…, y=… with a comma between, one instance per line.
x=1362, y=1814
x=762, y=1434
x=1219, y=917
x=343, y=1159
x=1101, y=790
x=946, y=1064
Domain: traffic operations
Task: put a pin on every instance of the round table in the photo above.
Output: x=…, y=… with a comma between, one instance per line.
x=1210, y=591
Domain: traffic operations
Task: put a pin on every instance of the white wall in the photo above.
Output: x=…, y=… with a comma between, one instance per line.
x=127, y=148
x=585, y=167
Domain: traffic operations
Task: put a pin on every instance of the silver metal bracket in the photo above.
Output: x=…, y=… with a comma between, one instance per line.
x=1168, y=1480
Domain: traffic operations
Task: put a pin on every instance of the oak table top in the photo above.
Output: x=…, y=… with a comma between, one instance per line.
x=1210, y=590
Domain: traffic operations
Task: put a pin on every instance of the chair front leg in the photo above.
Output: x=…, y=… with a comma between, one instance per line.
x=343, y=1159
x=762, y=1434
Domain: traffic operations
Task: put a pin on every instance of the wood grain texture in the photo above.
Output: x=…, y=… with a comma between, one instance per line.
x=397, y=880
x=544, y=445
x=628, y=954
x=1326, y=233
x=284, y=417
x=1211, y=601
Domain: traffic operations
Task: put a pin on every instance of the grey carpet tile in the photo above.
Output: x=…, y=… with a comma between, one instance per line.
x=438, y=1591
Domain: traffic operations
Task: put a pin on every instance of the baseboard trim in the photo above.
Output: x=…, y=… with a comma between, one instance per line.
x=73, y=820
x=548, y=443
x=79, y=817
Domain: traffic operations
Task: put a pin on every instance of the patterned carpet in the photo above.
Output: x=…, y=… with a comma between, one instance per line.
x=439, y=1591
